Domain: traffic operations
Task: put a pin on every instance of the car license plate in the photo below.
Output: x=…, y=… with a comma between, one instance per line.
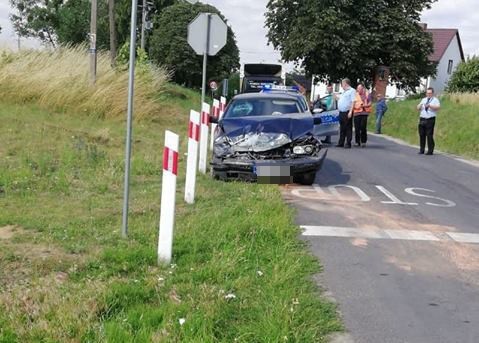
x=273, y=174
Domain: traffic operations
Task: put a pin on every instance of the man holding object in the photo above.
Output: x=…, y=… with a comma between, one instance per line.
x=428, y=108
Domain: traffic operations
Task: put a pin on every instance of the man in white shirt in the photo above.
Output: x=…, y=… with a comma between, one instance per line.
x=345, y=107
x=428, y=108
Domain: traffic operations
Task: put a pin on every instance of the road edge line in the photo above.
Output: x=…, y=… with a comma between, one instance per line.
x=471, y=162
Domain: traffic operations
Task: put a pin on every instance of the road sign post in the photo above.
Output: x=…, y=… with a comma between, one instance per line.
x=168, y=197
x=207, y=35
x=215, y=113
x=205, y=120
x=131, y=83
x=205, y=56
x=192, y=161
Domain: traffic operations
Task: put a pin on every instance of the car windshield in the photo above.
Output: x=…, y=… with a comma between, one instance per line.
x=261, y=107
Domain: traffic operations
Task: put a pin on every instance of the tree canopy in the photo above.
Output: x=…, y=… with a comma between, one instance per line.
x=466, y=77
x=169, y=46
x=68, y=22
x=351, y=38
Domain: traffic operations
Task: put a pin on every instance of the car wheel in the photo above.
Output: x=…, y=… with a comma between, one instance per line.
x=307, y=178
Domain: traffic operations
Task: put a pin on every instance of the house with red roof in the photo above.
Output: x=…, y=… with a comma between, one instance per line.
x=448, y=53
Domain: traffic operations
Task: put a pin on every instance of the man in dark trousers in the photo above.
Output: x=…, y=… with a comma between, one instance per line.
x=381, y=109
x=428, y=108
x=345, y=107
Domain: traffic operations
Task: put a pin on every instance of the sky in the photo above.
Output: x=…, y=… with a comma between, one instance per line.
x=247, y=20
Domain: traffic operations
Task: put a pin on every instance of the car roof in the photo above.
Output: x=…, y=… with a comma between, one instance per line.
x=266, y=95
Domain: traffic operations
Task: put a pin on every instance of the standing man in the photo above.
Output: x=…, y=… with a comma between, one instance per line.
x=345, y=107
x=428, y=108
x=381, y=109
x=329, y=102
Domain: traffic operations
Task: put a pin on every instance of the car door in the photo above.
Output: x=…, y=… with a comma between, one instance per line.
x=329, y=118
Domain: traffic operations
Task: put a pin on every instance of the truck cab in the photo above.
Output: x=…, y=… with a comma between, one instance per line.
x=255, y=76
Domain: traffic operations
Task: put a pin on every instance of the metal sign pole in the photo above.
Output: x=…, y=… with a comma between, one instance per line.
x=205, y=58
x=131, y=84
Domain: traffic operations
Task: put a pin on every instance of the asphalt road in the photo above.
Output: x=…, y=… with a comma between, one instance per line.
x=400, y=249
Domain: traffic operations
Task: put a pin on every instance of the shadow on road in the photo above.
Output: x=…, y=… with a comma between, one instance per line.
x=332, y=173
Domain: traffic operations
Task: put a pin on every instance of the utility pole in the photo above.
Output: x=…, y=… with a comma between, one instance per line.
x=143, y=25
x=93, y=41
x=113, y=40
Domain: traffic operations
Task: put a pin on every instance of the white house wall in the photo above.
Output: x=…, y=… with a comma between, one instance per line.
x=442, y=78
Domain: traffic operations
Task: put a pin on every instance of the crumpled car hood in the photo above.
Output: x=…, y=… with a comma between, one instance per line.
x=293, y=125
x=262, y=133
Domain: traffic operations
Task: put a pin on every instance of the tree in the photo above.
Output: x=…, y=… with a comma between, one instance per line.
x=352, y=38
x=36, y=18
x=169, y=46
x=123, y=17
x=59, y=21
x=466, y=77
x=68, y=21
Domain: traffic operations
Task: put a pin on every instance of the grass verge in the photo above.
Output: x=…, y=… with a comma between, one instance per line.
x=239, y=274
x=60, y=80
x=457, y=123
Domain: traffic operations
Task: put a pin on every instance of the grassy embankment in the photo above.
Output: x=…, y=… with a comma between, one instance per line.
x=65, y=273
x=457, y=125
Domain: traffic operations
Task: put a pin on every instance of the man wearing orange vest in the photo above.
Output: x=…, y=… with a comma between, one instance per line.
x=361, y=109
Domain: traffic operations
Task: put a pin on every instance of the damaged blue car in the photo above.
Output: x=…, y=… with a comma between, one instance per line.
x=269, y=138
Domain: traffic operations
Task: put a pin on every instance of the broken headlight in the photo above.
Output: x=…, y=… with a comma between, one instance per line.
x=303, y=150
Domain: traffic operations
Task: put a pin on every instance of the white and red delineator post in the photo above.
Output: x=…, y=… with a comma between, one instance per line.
x=168, y=197
x=215, y=112
x=191, y=164
x=222, y=106
x=205, y=120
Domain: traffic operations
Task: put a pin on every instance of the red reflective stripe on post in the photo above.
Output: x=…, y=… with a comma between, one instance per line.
x=194, y=131
x=175, y=163
x=214, y=111
x=170, y=160
x=205, y=118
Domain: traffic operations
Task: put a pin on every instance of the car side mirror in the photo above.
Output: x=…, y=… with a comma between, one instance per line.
x=317, y=120
x=214, y=119
x=318, y=110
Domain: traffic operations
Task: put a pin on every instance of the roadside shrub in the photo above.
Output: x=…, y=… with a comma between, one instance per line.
x=60, y=80
x=466, y=77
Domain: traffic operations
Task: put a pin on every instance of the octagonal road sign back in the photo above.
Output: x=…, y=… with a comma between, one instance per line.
x=197, y=34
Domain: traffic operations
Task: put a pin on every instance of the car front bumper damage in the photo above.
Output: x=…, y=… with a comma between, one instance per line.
x=266, y=171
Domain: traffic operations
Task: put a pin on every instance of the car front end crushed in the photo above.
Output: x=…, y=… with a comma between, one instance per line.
x=286, y=162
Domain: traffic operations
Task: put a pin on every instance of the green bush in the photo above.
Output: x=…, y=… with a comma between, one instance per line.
x=466, y=77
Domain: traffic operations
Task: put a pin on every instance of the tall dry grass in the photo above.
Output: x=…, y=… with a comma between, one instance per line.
x=60, y=80
x=464, y=98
